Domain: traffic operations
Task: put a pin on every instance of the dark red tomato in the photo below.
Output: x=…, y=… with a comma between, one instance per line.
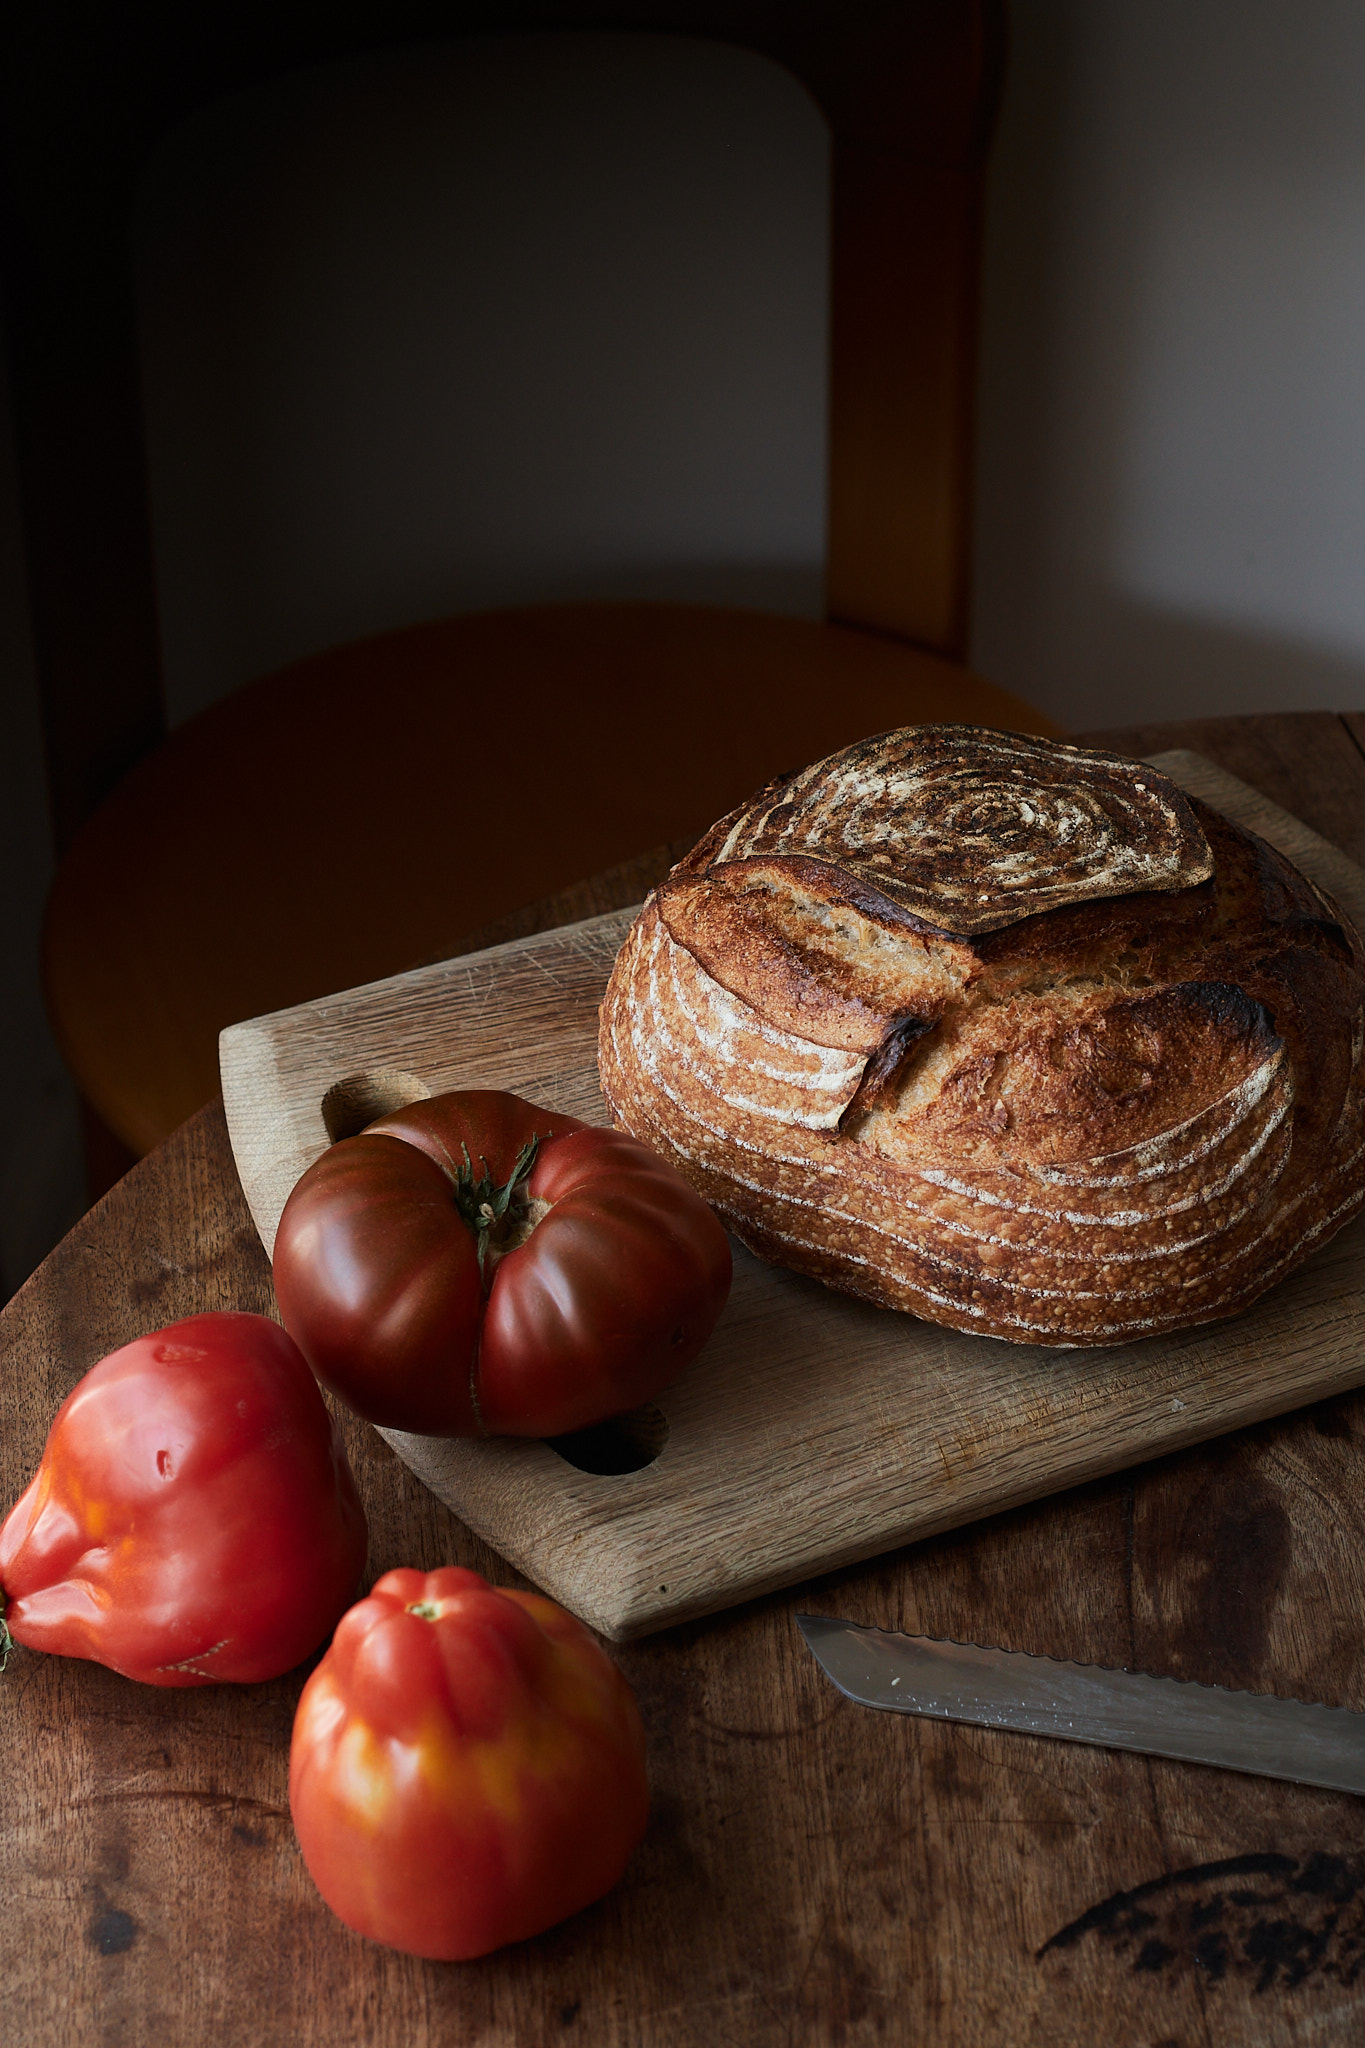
x=467, y=1768
x=193, y=1517
x=475, y=1266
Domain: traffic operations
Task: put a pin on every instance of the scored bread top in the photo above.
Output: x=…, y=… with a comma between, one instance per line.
x=1126, y=1105
x=965, y=830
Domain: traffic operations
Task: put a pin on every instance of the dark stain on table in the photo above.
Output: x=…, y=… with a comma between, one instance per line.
x=1277, y=1920
x=1237, y=1525
x=112, y=1931
x=1329, y=1421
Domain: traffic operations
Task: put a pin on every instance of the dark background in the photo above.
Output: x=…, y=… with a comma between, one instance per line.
x=351, y=422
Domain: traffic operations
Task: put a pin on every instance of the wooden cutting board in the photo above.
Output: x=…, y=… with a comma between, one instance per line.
x=813, y=1430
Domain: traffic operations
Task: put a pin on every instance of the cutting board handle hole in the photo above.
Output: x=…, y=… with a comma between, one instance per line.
x=624, y=1443
x=351, y=1104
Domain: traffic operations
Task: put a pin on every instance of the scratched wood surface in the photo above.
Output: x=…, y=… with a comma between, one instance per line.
x=814, y=1430
x=812, y=1873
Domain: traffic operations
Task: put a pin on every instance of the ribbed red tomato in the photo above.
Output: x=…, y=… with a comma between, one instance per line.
x=475, y=1266
x=467, y=1766
x=193, y=1517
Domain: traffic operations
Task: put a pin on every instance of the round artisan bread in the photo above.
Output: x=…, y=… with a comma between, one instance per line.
x=1010, y=1034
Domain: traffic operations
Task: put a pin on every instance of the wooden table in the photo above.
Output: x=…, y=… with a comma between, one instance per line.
x=813, y=1873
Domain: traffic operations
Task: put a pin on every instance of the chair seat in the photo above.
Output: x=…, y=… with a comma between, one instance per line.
x=365, y=810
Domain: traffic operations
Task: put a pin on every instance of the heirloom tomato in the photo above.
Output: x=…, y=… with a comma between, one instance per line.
x=467, y=1768
x=475, y=1266
x=193, y=1517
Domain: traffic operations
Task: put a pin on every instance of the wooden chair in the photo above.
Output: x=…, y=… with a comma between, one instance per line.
x=373, y=806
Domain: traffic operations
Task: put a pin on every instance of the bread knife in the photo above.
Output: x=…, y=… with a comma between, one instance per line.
x=1173, y=1717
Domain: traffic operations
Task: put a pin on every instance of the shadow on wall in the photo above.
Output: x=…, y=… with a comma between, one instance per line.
x=1151, y=664
x=793, y=588
x=500, y=321
x=41, y=1176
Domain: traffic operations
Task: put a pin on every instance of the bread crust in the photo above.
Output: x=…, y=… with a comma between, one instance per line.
x=1079, y=1113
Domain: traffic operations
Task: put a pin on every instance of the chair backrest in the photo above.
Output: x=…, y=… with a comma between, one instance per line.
x=908, y=88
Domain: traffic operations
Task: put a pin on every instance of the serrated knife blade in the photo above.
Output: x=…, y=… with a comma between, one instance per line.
x=1172, y=1717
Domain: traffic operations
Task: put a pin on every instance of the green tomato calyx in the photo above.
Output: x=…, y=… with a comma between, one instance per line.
x=502, y=1217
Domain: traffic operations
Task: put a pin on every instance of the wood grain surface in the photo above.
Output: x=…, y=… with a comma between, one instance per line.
x=813, y=1873
x=813, y=1430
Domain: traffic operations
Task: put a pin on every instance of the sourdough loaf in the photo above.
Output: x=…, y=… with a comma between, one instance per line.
x=1009, y=1034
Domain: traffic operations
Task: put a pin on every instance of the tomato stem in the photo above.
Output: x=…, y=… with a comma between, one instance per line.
x=6, y=1639
x=494, y=1213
